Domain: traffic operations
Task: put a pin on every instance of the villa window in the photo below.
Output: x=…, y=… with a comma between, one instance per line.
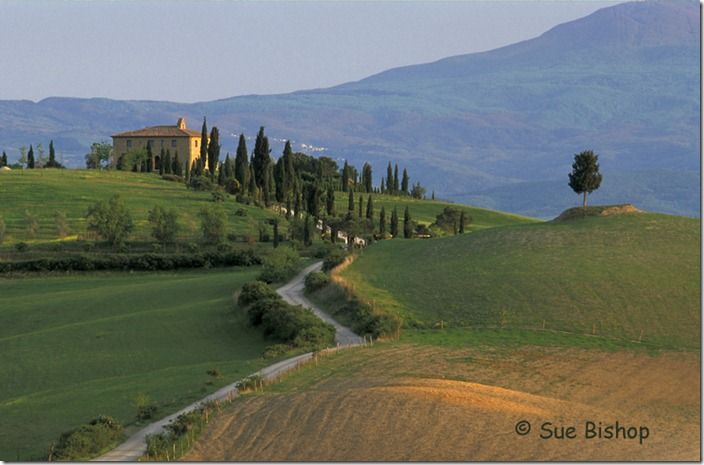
x=196, y=141
x=129, y=143
x=173, y=142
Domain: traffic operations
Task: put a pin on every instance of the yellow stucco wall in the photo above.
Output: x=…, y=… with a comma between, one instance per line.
x=182, y=145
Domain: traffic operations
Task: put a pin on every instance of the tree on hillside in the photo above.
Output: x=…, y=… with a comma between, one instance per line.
x=396, y=186
x=307, y=232
x=213, y=224
x=418, y=191
x=164, y=224
x=330, y=202
x=370, y=208
x=52, y=163
x=260, y=158
x=213, y=151
x=242, y=163
x=30, y=157
x=407, y=224
x=462, y=222
x=390, y=179
x=585, y=176
x=394, y=222
x=162, y=156
x=204, y=142
x=3, y=159
x=345, y=177
x=360, y=207
x=167, y=162
x=110, y=220
x=404, y=182
x=382, y=221
x=367, y=178
x=382, y=187
x=350, y=205
x=276, y=232
x=176, y=166
x=449, y=219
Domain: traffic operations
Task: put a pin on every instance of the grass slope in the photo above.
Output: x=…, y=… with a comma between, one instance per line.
x=425, y=211
x=616, y=276
x=43, y=192
x=78, y=346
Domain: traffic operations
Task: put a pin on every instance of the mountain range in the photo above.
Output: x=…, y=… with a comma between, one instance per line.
x=497, y=129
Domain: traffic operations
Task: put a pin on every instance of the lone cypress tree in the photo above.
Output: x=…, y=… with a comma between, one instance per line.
x=242, y=163
x=204, y=142
x=3, y=160
x=407, y=224
x=585, y=177
x=382, y=221
x=213, y=151
x=404, y=182
x=394, y=222
x=30, y=157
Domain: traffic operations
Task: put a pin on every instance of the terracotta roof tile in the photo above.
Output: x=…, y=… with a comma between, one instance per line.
x=159, y=131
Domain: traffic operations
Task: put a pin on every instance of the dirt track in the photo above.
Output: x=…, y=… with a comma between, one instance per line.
x=423, y=403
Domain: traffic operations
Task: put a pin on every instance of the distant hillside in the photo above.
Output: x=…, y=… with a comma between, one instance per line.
x=613, y=275
x=623, y=81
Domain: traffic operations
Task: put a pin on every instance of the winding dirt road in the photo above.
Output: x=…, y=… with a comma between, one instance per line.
x=292, y=292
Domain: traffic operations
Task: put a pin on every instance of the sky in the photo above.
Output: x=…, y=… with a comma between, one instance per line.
x=200, y=50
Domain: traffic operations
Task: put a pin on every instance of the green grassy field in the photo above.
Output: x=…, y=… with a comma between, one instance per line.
x=613, y=276
x=74, y=347
x=44, y=192
x=425, y=211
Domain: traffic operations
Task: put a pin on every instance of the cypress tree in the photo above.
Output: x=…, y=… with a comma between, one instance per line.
x=330, y=202
x=433, y=196
x=307, y=233
x=52, y=157
x=361, y=206
x=204, y=141
x=382, y=221
x=242, y=163
x=370, y=208
x=404, y=182
x=176, y=165
x=188, y=174
x=407, y=225
x=149, y=157
x=389, y=179
x=396, y=179
x=252, y=188
x=162, y=157
x=462, y=220
x=221, y=175
x=289, y=170
x=213, y=151
x=382, y=188
x=276, y=232
x=394, y=222
x=350, y=204
x=3, y=160
x=345, y=177
x=296, y=200
x=167, y=162
x=227, y=166
x=279, y=178
x=261, y=159
x=30, y=157
x=585, y=176
x=367, y=177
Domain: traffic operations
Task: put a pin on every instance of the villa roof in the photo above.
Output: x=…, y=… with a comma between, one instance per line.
x=160, y=131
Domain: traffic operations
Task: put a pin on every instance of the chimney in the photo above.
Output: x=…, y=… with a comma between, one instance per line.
x=181, y=123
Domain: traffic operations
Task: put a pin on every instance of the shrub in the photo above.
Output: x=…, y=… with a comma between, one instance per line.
x=218, y=196
x=254, y=291
x=241, y=212
x=201, y=183
x=86, y=441
x=21, y=246
x=164, y=224
x=232, y=186
x=31, y=224
x=171, y=177
x=111, y=220
x=61, y=224
x=279, y=265
x=315, y=281
x=333, y=259
x=275, y=350
x=212, y=223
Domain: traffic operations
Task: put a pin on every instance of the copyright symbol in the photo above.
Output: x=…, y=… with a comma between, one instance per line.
x=522, y=428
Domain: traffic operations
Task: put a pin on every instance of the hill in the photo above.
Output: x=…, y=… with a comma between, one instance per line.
x=405, y=402
x=44, y=192
x=633, y=276
x=623, y=81
x=73, y=348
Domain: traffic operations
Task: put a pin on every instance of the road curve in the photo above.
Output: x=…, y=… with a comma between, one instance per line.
x=292, y=292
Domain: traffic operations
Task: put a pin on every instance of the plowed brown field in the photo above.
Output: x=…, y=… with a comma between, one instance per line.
x=403, y=402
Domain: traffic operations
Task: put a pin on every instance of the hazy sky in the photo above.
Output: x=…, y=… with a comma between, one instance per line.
x=190, y=51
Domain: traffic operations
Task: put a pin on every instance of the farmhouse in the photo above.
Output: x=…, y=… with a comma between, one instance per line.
x=178, y=139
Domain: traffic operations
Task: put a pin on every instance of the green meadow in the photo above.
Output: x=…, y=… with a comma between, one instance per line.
x=74, y=347
x=633, y=276
x=42, y=193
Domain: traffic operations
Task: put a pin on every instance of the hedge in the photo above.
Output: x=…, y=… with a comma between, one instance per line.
x=137, y=262
x=87, y=441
